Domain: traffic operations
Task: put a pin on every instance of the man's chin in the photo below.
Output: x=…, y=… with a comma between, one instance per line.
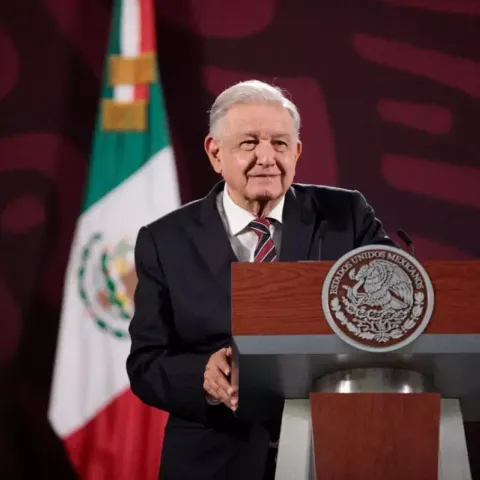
x=265, y=189
x=265, y=194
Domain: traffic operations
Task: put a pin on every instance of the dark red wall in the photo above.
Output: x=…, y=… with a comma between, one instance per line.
x=389, y=93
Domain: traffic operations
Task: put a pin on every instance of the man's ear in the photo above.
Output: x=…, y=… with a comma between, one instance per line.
x=299, y=150
x=212, y=148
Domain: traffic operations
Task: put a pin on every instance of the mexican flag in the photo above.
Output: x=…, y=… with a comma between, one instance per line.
x=108, y=433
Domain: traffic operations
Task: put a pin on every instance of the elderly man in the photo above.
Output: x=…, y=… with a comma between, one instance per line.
x=181, y=336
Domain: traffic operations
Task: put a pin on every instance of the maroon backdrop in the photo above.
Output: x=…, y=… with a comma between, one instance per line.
x=389, y=93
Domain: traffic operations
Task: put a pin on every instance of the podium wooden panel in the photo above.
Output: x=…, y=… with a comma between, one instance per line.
x=367, y=435
x=376, y=436
x=289, y=298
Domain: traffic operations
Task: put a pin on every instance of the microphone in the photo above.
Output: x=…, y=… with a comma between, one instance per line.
x=322, y=230
x=405, y=237
x=318, y=237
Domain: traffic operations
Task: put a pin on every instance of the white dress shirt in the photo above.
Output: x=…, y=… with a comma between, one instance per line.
x=236, y=221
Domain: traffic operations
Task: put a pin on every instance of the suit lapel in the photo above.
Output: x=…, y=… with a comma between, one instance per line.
x=298, y=229
x=211, y=239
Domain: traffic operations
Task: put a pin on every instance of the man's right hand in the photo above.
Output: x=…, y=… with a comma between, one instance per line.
x=215, y=379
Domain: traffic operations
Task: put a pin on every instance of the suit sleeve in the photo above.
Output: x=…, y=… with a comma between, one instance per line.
x=367, y=227
x=159, y=376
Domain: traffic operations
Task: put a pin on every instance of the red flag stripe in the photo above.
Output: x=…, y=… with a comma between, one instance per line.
x=148, y=26
x=123, y=441
x=147, y=40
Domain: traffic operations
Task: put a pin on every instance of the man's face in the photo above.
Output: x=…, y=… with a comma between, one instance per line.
x=256, y=151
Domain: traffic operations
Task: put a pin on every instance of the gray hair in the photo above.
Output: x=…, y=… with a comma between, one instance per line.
x=251, y=92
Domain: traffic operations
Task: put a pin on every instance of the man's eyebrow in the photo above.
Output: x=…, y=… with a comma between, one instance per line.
x=257, y=134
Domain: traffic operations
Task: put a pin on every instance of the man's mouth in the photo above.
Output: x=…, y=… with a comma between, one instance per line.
x=265, y=175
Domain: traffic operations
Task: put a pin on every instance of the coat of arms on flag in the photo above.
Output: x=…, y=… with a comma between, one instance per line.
x=106, y=283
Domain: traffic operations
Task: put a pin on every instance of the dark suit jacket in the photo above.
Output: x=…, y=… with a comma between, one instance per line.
x=182, y=316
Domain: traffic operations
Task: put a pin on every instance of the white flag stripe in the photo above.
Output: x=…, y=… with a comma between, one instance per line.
x=130, y=42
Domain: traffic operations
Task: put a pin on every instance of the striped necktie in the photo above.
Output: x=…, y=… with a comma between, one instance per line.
x=265, y=250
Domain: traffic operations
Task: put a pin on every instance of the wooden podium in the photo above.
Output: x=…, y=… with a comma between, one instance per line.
x=372, y=416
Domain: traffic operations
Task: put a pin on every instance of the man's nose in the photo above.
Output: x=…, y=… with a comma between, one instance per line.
x=265, y=153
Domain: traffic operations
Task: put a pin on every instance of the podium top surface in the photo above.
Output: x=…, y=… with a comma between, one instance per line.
x=285, y=298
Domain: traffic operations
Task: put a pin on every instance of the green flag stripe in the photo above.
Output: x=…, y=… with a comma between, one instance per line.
x=113, y=46
x=117, y=155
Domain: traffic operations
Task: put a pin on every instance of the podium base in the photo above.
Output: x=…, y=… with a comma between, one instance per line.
x=374, y=380
x=295, y=449
x=295, y=453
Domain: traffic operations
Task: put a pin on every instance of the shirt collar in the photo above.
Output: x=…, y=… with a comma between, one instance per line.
x=239, y=218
